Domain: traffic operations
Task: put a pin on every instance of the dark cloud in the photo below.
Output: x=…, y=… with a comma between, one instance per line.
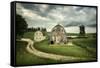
x=79, y=8
x=73, y=24
x=80, y=23
x=37, y=8
x=92, y=25
x=50, y=15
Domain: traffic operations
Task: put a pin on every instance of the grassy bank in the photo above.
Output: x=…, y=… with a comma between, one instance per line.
x=82, y=48
x=89, y=44
x=25, y=58
x=75, y=50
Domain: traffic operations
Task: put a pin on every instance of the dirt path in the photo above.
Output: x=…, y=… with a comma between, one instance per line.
x=30, y=48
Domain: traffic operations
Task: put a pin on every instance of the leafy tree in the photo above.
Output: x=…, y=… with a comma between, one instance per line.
x=44, y=31
x=38, y=28
x=21, y=25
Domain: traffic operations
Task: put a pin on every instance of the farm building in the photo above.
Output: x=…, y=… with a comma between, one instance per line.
x=58, y=35
x=38, y=36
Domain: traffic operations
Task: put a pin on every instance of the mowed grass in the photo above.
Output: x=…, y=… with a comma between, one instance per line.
x=25, y=58
x=83, y=48
x=75, y=50
x=89, y=44
x=29, y=35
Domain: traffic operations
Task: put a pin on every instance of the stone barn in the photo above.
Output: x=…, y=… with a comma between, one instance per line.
x=38, y=36
x=58, y=35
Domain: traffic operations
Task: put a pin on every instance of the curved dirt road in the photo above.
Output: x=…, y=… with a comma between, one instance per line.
x=30, y=48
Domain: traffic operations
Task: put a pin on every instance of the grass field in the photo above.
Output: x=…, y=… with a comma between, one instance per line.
x=75, y=50
x=29, y=35
x=25, y=58
x=88, y=44
x=82, y=48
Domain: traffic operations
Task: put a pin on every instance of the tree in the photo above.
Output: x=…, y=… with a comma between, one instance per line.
x=21, y=25
x=44, y=29
x=38, y=28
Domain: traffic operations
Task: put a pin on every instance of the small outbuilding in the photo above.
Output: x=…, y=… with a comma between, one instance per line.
x=38, y=36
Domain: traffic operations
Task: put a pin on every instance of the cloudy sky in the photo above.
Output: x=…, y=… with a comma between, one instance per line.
x=43, y=15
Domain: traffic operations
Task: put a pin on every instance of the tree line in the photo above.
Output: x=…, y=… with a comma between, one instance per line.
x=36, y=29
x=22, y=26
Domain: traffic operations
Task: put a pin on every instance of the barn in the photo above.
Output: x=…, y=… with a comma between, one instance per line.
x=58, y=35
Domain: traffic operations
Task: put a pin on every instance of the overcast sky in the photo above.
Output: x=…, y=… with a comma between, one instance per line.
x=43, y=15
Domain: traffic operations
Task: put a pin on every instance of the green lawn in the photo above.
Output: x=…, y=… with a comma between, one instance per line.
x=74, y=50
x=29, y=35
x=82, y=48
x=25, y=58
x=88, y=44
